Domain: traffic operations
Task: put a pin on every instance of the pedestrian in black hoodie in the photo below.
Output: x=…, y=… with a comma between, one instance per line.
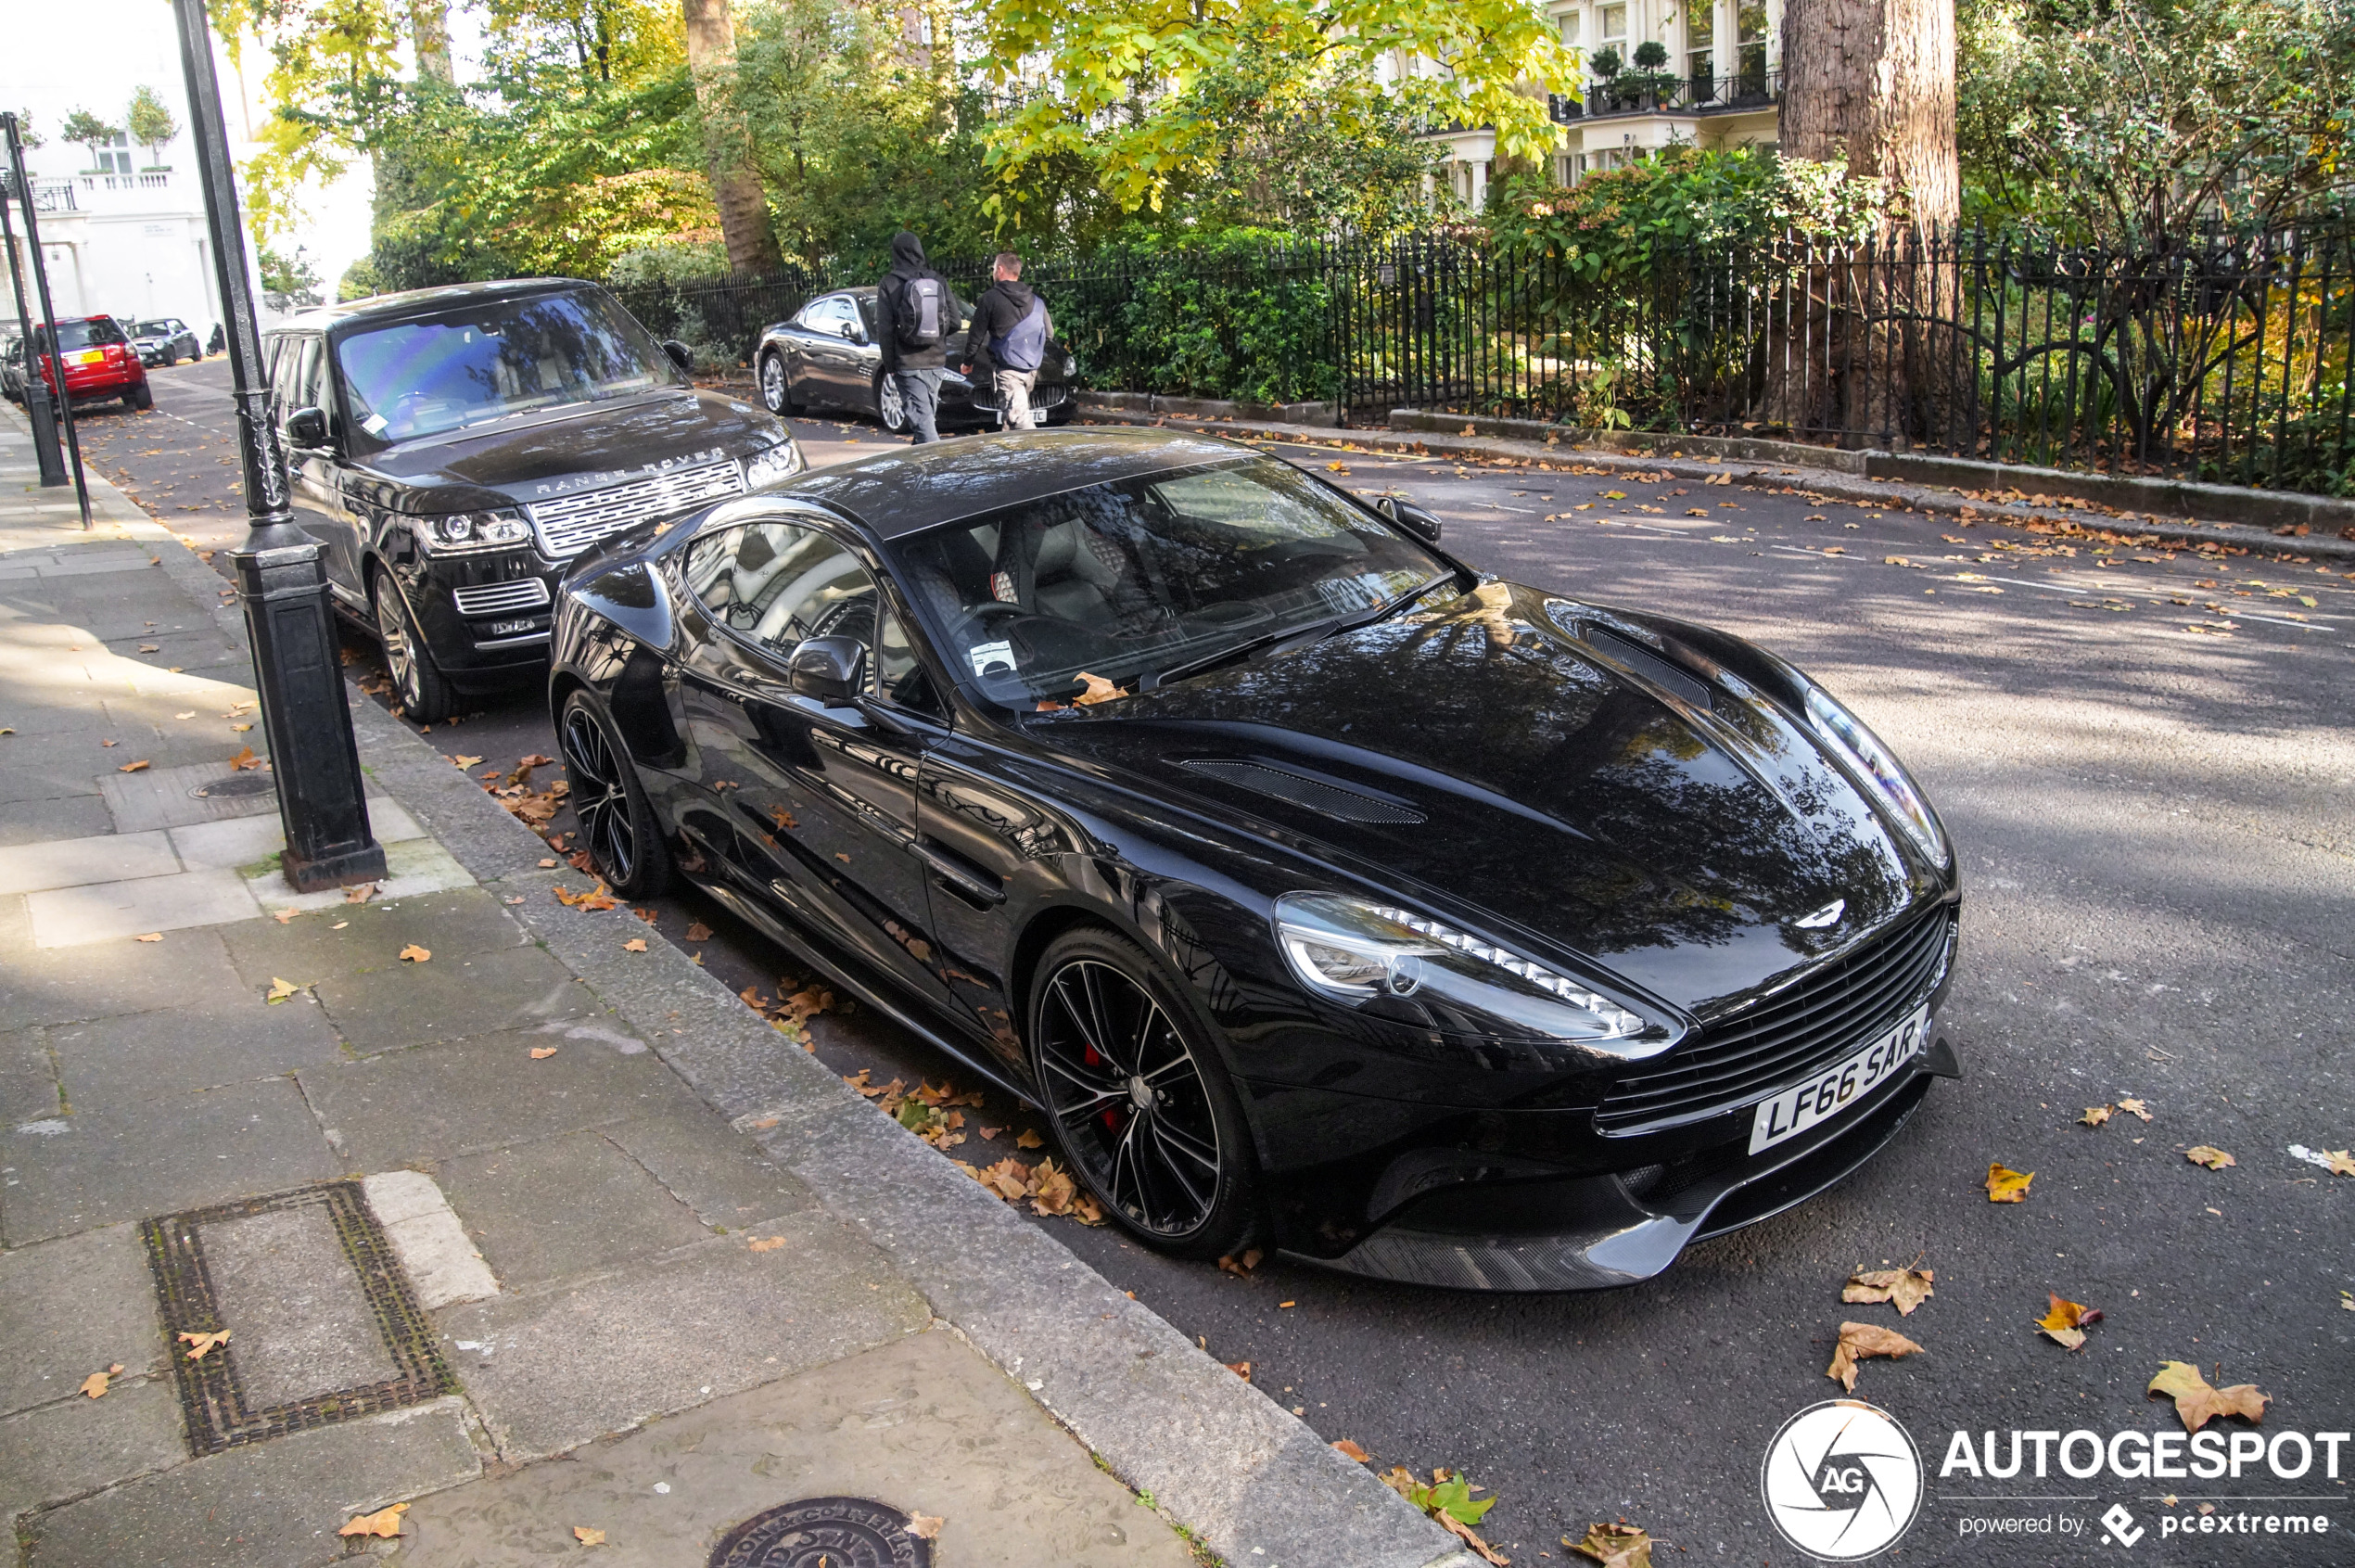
x=918, y=312
x=1009, y=338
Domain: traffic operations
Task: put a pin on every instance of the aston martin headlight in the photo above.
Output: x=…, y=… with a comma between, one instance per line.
x=457, y=532
x=1878, y=767
x=1355, y=950
x=765, y=469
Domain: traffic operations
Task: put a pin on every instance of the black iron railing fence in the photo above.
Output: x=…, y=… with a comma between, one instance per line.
x=2224, y=357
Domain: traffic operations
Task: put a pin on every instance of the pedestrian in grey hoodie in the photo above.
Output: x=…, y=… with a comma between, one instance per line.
x=1009, y=338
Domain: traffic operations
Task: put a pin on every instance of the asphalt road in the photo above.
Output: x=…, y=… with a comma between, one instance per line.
x=2147, y=762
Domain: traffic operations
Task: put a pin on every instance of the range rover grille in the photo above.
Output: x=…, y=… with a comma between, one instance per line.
x=572, y=523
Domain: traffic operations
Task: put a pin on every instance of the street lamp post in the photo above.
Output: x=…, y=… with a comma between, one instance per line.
x=281, y=577
x=37, y=407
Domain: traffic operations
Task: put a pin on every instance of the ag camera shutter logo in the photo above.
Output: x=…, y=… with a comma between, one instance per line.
x=1841, y=1480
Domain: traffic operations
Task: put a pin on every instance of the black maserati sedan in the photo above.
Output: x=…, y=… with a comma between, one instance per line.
x=1320, y=891
x=826, y=357
x=454, y=449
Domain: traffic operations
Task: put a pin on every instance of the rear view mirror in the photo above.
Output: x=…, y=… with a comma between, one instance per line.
x=1423, y=525
x=827, y=669
x=850, y=331
x=680, y=355
x=308, y=426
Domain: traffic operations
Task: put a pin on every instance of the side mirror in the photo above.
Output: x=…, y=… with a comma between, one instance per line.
x=827, y=669
x=680, y=355
x=1413, y=518
x=308, y=426
x=849, y=331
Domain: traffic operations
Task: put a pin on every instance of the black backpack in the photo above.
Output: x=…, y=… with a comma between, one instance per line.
x=918, y=319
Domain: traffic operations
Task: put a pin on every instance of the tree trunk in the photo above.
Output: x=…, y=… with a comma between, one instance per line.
x=744, y=206
x=1873, y=82
x=429, y=29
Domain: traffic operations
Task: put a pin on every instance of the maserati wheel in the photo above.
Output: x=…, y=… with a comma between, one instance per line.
x=890, y=407
x=776, y=391
x=1139, y=1103
x=618, y=825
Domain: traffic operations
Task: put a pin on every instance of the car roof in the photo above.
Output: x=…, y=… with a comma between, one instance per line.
x=904, y=491
x=425, y=301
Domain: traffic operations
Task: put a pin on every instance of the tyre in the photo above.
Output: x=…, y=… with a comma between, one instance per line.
x=889, y=407
x=618, y=825
x=776, y=386
x=1140, y=1102
x=142, y=397
x=172, y=355
x=425, y=697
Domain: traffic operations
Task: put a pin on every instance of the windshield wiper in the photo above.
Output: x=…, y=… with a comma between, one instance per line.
x=1245, y=648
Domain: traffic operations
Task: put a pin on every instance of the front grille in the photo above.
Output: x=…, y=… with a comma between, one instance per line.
x=500, y=598
x=1741, y=1059
x=572, y=524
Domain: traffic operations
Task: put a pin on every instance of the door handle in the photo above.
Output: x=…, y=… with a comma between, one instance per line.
x=989, y=890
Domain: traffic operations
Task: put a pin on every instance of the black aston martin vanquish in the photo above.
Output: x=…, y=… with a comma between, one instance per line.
x=1321, y=890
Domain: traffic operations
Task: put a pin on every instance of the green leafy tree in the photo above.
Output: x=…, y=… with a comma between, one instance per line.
x=150, y=122
x=1121, y=86
x=89, y=131
x=288, y=282
x=25, y=131
x=2109, y=119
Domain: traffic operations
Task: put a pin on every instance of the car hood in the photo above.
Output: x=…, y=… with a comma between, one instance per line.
x=1669, y=825
x=541, y=457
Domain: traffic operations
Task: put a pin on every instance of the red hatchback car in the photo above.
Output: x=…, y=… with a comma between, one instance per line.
x=100, y=362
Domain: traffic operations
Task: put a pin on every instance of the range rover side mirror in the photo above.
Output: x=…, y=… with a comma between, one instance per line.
x=680, y=355
x=827, y=669
x=308, y=426
x=1423, y=525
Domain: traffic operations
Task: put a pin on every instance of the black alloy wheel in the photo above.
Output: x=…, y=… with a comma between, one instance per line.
x=417, y=686
x=1138, y=1101
x=617, y=826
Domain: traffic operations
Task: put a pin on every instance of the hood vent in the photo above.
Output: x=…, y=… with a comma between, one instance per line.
x=1648, y=664
x=1317, y=795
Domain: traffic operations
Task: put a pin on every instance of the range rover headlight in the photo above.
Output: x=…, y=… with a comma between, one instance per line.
x=453, y=533
x=1878, y=767
x=765, y=469
x=1355, y=950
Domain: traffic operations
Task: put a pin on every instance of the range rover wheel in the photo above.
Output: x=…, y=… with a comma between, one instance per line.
x=890, y=407
x=424, y=696
x=1140, y=1102
x=618, y=825
x=776, y=387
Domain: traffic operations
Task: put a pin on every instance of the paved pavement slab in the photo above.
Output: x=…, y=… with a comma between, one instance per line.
x=72, y=917
x=453, y=924
x=924, y=1425
x=68, y=1450
x=63, y=985
x=72, y=814
x=115, y=1062
x=158, y=1157
x=285, y=1287
x=713, y=1169
x=28, y=1078
x=266, y=1505
x=612, y=1210
x=460, y=1097
x=73, y=1307
x=387, y=1007
x=72, y=862
x=553, y=1369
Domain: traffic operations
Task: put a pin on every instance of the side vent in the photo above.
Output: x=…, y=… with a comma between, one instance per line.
x=1648, y=664
x=1317, y=795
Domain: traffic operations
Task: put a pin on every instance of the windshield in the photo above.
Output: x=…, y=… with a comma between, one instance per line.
x=159, y=328
x=74, y=335
x=502, y=357
x=1127, y=581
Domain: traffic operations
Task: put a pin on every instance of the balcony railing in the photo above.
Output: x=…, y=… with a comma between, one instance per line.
x=1702, y=95
x=54, y=195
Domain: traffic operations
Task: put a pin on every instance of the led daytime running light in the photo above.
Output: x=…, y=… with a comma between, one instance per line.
x=1617, y=1019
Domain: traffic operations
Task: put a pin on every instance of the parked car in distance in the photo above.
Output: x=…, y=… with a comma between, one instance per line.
x=827, y=357
x=1321, y=891
x=12, y=366
x=454, y=448
x=100, y=362
x=165, y=340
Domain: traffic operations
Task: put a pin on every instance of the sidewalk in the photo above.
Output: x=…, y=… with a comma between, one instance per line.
x=554, y=1242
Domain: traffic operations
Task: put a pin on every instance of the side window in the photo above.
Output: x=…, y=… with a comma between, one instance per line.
x=311, y=390
x=896, y=674
x=822, y=315
x=282, y=376
x=706, y=569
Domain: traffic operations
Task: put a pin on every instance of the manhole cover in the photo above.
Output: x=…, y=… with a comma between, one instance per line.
x=832, y=1532
x=235, y=784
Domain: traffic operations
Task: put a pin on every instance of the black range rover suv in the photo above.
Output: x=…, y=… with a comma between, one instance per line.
x=454, y=449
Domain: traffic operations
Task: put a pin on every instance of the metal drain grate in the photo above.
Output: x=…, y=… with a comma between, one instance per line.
x=210, y=1392
x=833, y=1532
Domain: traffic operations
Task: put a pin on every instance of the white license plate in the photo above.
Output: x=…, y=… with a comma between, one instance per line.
x=1839, y=1086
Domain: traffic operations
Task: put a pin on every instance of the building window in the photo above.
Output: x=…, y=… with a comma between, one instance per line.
x=1750, y=60
x=114, y=157
x=1570, y=26
x=1700, y=47
x=1611, y=28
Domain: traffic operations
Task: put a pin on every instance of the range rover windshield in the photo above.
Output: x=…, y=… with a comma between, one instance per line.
x=1154, y=579
x=472, y=364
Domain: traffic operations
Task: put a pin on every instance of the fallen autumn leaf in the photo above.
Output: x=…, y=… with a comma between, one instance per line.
x=199, y=1343
x=1861, y=1342
x=2096, y=1115
x=2007, y=1186
x=383, y=1522
x=2065, y=1323
x=281, y=990
x=2214, y=1159
x=139, y=767
x=2134, y=1108
x=635, y=945
x=1349, y=1449
x=588, y=1536
x=94, y=1385
x=541, y=1052
x=2196, y=1404
x=415, y=954
x=925, y=1526
x=1614, y=1546
x=1904, y=1288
